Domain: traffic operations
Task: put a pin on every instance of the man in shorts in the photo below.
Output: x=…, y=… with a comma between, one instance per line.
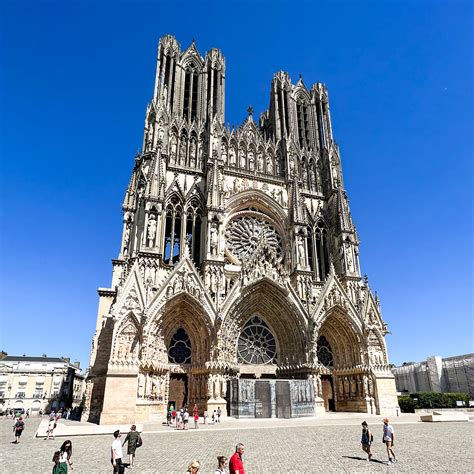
x=388, y=439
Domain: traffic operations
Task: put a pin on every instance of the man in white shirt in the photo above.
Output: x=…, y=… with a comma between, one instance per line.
x=117, y=454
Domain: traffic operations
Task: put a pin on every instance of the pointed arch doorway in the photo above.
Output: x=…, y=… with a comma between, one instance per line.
x=325, y=357
x=179, y=354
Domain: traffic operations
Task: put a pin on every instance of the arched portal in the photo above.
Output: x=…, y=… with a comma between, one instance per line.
x=264, y=318
x=340, y=352
x=181, y=336
x=264, y=335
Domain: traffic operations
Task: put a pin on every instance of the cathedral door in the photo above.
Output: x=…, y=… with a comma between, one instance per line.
x=263, y=407
x=283, y=399
x=328, y=393
x=178, y=393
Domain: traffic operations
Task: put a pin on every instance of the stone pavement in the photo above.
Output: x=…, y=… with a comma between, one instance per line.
x=329, y=444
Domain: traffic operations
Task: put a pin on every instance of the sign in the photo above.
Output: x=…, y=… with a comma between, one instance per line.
x=459, y=403
x=258, y=408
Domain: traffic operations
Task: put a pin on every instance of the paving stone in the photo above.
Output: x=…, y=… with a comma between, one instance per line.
x=292, y=448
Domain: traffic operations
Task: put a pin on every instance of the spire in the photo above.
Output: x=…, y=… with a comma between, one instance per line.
x=153, y=184
x=129, y=200
x=345, y=220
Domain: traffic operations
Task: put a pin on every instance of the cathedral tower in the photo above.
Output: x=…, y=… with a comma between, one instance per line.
x=238, y=282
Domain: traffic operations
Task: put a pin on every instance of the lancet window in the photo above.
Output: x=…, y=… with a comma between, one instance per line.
x=190, y=91
x=303, y=122
x=318, y=251
x=193, y=230
x=179, y=351
x=172, y=240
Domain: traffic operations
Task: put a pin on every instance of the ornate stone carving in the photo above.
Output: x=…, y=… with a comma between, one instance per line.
x=246, y=233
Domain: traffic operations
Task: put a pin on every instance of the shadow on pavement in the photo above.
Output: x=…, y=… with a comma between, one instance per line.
x=364, y=459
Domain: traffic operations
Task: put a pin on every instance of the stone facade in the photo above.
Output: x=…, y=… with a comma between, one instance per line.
x=452, y=374
x=40, y=383
x=239, y=262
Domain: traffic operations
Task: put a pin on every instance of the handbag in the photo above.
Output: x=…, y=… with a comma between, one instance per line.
x=139, y=442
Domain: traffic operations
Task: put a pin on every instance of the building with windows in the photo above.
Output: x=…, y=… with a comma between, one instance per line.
x=46, y=383
x=237, y=283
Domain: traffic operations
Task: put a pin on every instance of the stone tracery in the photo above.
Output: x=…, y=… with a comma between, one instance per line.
x=239, y=259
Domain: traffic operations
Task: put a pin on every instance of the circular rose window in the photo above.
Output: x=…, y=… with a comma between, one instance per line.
x=256, y=343
x=246, y=233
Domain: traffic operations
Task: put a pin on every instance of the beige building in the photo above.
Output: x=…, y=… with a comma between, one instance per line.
x=46, y=383
x=238, y=283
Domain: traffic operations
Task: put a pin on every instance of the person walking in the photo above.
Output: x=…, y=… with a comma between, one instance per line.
x=366, y=440
x=185, y=419
x=18, y=428
x=132, y=438
x=236, y=464
x=28, y=413
x=219, y=413
x=178, y=420
x=388, y=439
x=221, y=465
x=117, y=454
x=50, y=429
x=62, y=458
x=204, y=416
x=196, y=421
x=194, y=466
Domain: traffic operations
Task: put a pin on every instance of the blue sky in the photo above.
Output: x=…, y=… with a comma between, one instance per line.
x=75, y=78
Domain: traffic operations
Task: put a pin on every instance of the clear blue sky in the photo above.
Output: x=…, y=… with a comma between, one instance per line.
x=75, y=81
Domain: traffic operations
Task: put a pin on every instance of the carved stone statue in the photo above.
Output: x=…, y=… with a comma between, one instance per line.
x=251, y=161
x=192, y=153
x=214, y=240
x=242, y=158
x=301, y=253
x=269, y=164
x=126, y=239
x=151, y=232
x=173, y=148
x=224, y=153
x=182, y=151
x=232, y=156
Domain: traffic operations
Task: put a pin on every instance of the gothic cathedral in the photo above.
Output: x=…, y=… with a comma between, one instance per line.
x=238, y=282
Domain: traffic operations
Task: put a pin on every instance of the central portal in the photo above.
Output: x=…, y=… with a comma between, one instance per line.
x=178, y=394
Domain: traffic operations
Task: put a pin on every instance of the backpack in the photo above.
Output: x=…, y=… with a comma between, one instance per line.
x=371, y=438
x=19, y=425
x=139, y=442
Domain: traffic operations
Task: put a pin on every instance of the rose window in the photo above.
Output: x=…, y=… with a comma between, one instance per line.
x=179, y=351
x=246, y=233
x=256, y=343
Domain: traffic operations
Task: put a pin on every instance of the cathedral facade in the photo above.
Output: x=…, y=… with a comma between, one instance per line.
x=238, y=281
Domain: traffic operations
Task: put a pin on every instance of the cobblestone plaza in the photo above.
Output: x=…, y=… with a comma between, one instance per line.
x=294, y=446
